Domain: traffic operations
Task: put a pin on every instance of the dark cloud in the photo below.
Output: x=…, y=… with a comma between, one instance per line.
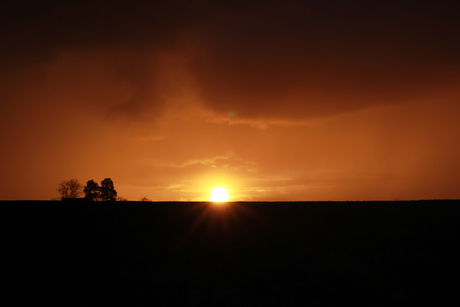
x=33, y=33
x=270, y=59
x=89, y=24
x=303, y=59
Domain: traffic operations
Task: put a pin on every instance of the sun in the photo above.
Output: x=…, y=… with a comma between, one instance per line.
x=219, y=194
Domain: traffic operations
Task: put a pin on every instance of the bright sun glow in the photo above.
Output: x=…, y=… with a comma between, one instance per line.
x=219, y=194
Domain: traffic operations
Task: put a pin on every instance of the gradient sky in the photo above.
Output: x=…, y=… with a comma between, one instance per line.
x=275, y=100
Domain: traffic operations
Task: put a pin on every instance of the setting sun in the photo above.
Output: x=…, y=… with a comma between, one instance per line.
x=219, y=194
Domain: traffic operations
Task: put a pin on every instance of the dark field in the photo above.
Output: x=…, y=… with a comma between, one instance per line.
x=145, y=254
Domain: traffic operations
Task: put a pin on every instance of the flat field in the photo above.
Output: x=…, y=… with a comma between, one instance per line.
x=248, y=253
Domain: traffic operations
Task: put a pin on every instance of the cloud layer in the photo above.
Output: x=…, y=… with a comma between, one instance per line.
x=296, y=59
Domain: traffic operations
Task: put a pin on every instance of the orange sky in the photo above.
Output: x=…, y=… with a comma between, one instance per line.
x=292, y=100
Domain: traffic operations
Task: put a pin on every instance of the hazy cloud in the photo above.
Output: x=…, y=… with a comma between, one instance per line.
x=269, y=60
x=309, y=59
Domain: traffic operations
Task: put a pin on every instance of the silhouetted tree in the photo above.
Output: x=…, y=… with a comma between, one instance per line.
x=70, y=188
x=145, y=199
x=92, y=190
x=120, y=198
x=107, y=190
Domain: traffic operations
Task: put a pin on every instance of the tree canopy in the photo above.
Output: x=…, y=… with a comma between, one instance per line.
x=104, y=192
x=107, y=190
x=92, y=190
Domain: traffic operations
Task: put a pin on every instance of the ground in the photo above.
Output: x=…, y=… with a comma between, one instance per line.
x=317, y=253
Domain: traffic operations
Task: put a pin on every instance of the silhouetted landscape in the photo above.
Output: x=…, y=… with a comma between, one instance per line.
x=256, y=253
x=250, y=101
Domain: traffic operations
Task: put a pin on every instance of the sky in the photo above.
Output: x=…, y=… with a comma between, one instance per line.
x=274, y=100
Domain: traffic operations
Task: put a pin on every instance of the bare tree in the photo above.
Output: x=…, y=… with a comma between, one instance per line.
x=70, y=188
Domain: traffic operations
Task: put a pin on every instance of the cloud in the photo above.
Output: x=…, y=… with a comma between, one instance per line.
x=111, y=56
x=301, y=60
x=269, y=61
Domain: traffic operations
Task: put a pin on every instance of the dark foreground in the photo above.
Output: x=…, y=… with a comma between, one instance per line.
x=145, y=254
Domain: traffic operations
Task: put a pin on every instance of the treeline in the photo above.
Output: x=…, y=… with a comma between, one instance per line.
x=92, y=191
